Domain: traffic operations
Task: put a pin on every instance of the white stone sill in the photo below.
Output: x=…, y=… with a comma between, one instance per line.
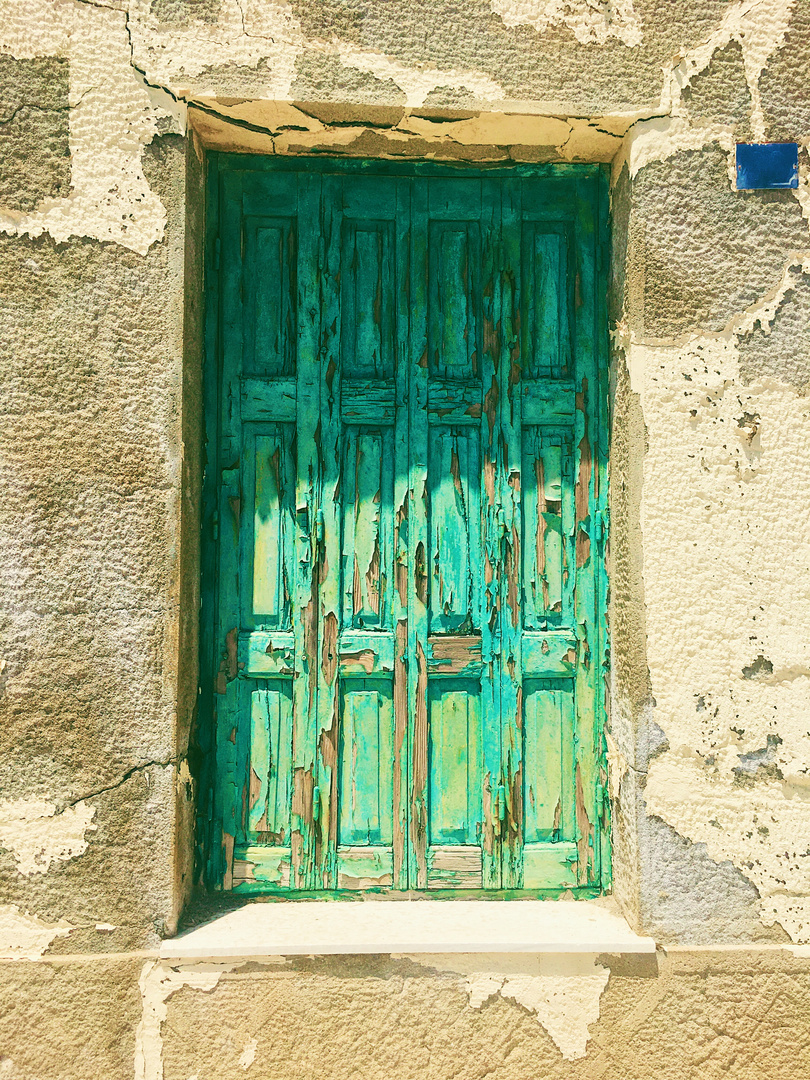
x=318, y=928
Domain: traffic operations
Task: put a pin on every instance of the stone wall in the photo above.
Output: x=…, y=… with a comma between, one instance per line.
x=106, y=111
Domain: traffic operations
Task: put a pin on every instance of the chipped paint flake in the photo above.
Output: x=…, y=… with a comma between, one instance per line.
x=759, y=27
x=38, y=835
x=157, y=983
x=591, y=21
x=562, y=992
x=112, y=118
x=248, y=1055
x=24, y=936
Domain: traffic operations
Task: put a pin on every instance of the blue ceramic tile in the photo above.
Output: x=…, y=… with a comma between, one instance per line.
x=767, y=165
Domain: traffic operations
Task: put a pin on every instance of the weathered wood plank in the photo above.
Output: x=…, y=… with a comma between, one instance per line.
x=366, y=763
x=305, y=592
x=588, y=670
x=417, y=549
x=401, y=582
x=512, y=370
x=231, y=781
x=455, y=762
x=489, y=565
x=455, y=867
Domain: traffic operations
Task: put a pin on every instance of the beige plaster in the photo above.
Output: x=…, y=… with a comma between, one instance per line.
x=591, y=23
x=562, y=992
x=24, y=936
x=38, y=834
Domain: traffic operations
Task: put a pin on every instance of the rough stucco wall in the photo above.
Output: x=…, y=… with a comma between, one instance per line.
x=710, y=309
x=714, y=332
x=69, y=1021
x=34, y=155
x=92, y=349
x=682, y=1017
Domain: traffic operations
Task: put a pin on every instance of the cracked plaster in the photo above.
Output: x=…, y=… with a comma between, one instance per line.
x=723, y=414
x=24, y=936
x=38, y=834
x=725, y=469
x=562, y=993
x=590, y=23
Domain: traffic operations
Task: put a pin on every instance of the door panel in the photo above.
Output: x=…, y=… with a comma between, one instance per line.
x=367, y=314
x=269, y=322
x=367, y=557
x=454, y=552
x=409, y=493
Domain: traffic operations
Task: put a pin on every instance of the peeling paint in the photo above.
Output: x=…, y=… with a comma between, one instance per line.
x=759, y=27
x=562, y=992
x=417, y=82
x=591, y=23
x=158, y=981
x=248, y=1055
x=39, y=835
x=112, y=118
x=24, y=936
x=693, y=400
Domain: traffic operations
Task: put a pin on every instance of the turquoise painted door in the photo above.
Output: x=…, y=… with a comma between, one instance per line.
x=407, y=475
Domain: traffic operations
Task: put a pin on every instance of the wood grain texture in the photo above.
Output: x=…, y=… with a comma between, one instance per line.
x=407, y=587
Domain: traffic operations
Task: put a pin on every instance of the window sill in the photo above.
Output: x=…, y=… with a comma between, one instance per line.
x=290, y=928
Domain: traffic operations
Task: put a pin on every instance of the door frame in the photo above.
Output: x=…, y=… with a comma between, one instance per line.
x=211, y=847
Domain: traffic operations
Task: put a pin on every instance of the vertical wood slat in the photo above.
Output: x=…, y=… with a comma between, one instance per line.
x=327, y=532
x=401, y=584
x=489, y=568
x=209, y=819
x=601, y=555
x=418, y=537
x=510, y=284
x=588, y=669
x=227, y=689
x=305, y=602
x=366, y=766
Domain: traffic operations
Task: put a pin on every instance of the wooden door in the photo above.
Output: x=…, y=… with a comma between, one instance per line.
x=407, y=596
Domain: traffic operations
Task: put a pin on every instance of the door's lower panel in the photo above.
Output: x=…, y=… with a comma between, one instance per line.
x=550, y=866
x=365, y=867
x=259, y=867
x=455, y=868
